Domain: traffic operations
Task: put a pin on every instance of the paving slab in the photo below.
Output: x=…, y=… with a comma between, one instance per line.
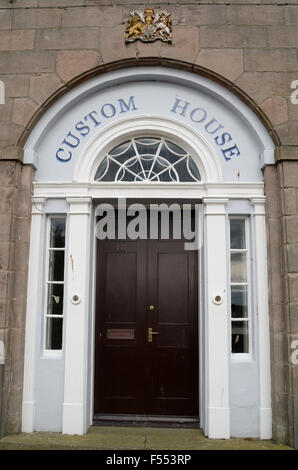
x=131, y=438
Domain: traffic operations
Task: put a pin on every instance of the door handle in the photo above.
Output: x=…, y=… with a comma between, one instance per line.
x=150, y=333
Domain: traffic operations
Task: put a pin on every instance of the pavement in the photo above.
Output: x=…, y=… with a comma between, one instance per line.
x=132, y=438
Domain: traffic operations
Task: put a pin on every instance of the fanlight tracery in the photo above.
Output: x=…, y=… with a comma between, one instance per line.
x=147, y=159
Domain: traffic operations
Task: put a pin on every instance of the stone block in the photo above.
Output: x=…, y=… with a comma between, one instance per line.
x=227, y=63
x=280, y=378
x=272, y=192
x=255, y=14
x=6, y=225
x=288, y=133
x=43, y=86
x=23, y=110
x=185, y=45
x=293, y=287
x=292, y=229
x=16, y=40
x=5, y=110
x=15, y=86
x=285, y=152
x=7, y=196
x=280, y=348
x=10, y=133
x=277, y=318
x=92, y=16
x=152, y=49
x=60, y=3
x=276, y=109
x=4, y=280
x=23, y=203
x=19, y=312
x=266, y=60
x=9, y=174
x=232, y=36
x=281, y=83
x=36, y=18
x=293, y=111
x=283, y=36
x=4, y=309
x=292, y=258
x=23, y=62
x=70, y=64
x=27, y=175
x=196, y=15
x=67, y=38
x=274, y=229
x=5, y=252
x=290, y=174
x=289, y=201
x=293, y=317
x=5, y=19
x=256, y=85
x=291, y=14
x=113, y=47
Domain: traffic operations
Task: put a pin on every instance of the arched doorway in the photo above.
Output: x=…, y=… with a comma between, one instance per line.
x=229, y=146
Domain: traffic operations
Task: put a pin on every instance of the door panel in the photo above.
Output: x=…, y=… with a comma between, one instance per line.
x=132, y=375
x=121, y=289
x=172, y=286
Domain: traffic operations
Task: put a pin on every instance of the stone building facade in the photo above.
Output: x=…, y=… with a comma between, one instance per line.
x=49, y=47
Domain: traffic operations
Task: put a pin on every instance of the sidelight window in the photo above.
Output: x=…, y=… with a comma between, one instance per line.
x=148, y=159
x=55, y=283
x=239, y=285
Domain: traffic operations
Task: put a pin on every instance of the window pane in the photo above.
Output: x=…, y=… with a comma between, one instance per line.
x=56, y=265
x=57, y=234
x=147, y=159
x=54, y=333
x=55, y=299
x=237, y=234
x=238, y=267
x=239, y=301
x=240, y=337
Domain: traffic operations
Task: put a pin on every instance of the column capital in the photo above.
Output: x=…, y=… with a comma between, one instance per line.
x=38, y=204
x=79, y=205
x=215, y=200
x=259, y=204
x=215, y=205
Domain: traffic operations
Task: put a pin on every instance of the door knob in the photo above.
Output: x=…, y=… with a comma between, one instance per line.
x=151, y=333
x=151, y=307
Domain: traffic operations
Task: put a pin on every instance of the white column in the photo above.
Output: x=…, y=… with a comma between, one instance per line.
x=265, y=412
x=217, y=338
x=32, y=310
x=76, y=321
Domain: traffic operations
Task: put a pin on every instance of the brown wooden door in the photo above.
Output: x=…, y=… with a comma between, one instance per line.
x=134, y=376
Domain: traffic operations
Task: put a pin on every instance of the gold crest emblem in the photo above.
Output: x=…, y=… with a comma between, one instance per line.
x=149, y=26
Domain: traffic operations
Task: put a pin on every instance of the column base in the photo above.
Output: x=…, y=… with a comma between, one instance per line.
x=28, y=416
x=219, y=423
x=73, y=419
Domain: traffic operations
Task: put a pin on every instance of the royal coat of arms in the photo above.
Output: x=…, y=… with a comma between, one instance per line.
x=149, y=26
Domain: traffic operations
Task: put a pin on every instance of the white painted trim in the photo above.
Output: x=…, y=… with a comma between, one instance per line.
x=162, y=74
x=152, y=191
x=76, y=319
x=217, y=335
x=32, y=312
x=265, y=411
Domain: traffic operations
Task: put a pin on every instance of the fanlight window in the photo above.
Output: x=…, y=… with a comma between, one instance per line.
x=148, y=159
